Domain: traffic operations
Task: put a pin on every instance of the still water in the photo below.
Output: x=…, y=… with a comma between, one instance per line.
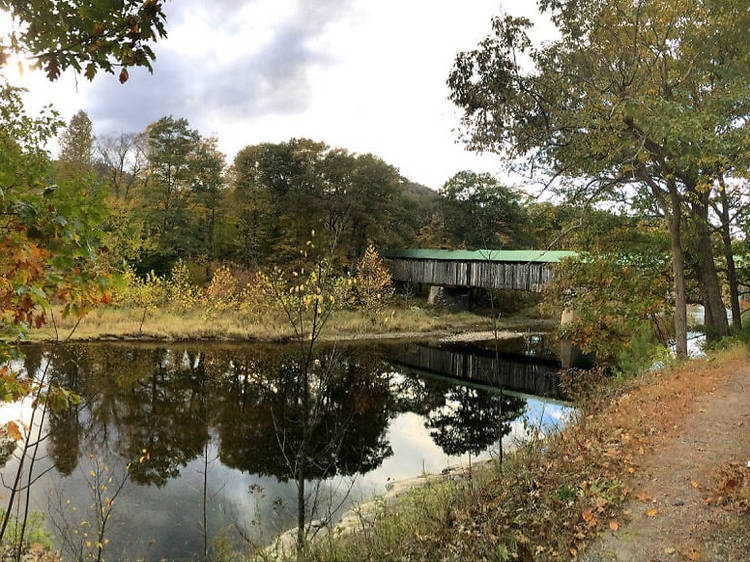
x=203, y=443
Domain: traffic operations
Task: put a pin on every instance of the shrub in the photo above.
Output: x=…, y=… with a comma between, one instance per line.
x=372, y=282
x=256, y=297
x=222, y=294
x=641, y=353
x=181, y=291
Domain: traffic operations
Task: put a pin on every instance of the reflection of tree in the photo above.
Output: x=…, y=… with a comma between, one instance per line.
x=462, y=419
x=165, y=401
x=264, y=419
x=64, y=446
x=164, y=420
x=419, y=395
x=473, y=419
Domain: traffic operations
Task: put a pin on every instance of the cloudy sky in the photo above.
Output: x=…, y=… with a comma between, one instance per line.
x=367, y=76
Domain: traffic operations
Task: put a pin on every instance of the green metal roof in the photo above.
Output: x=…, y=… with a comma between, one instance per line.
x=532, y=256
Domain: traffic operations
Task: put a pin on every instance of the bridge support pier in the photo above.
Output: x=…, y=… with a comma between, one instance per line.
x=570, y=354
x=436, y=295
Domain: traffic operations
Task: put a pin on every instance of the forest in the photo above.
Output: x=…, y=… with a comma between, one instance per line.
x=170, y=194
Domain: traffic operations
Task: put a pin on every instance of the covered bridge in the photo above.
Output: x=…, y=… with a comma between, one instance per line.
x=523, y=270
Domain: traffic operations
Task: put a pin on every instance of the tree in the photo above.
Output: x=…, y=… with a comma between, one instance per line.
x=122, y=158
x=86, y=35
x=171, y=146
x=348, y=198
x=642, y=96
x=208, y=182
x=76, y=147
x=373, y=283
x=731, y=207
x=481, y=213
x=48, y=232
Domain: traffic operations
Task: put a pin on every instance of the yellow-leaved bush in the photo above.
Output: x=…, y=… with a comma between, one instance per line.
x=221, y=293
x=315, y=290
x=372, y=283
x=256, y=297
x=182, y=293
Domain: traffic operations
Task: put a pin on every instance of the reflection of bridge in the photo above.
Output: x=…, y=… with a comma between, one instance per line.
x=519, y=373
x=526, y=270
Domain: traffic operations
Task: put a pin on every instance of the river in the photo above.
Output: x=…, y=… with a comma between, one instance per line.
x=209, y=442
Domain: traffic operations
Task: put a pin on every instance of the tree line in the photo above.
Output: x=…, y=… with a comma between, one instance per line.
x=171, y=194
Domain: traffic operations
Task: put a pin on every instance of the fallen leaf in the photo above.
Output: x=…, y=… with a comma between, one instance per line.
x=613, y=525
x=651, y=512
x=642, y=497
x=694, y=484
x=669, y=550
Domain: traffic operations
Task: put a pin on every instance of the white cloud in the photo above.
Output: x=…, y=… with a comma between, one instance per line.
x=367, y=76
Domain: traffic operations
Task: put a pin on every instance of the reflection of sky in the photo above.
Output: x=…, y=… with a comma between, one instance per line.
x=166, y=522
x=153, y=523
x=157, y=522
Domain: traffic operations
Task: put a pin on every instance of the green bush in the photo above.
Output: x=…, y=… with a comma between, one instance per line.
x=641, y=353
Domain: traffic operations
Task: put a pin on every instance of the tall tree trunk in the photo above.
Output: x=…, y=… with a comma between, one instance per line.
x=678, y=269
x=716, y=314
x=726, y=238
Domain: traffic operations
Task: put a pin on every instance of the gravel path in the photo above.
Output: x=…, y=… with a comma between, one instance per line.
x=673, y=512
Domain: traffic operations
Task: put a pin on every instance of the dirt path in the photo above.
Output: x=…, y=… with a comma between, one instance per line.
x=673, y=511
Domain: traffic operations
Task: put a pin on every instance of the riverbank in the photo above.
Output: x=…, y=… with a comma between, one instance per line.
x=653, y=467
x=123, y=324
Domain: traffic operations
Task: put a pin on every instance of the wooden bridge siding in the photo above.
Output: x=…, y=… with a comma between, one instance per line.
x=485, y=275
x=526, y=377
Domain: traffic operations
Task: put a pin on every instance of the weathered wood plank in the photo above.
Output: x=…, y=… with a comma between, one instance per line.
x=476, y=274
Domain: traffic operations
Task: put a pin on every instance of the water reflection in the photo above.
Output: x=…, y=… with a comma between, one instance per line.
x=245, y=440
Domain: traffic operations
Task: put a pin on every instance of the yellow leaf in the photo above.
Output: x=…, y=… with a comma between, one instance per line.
x=669, y=550
x=13, y=431
x=651, y=512
x=694, y=484
x=92, y=474
x=88, y=544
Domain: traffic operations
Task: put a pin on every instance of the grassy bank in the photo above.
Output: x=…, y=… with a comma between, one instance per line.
x=111, y=323
x=549, y=498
